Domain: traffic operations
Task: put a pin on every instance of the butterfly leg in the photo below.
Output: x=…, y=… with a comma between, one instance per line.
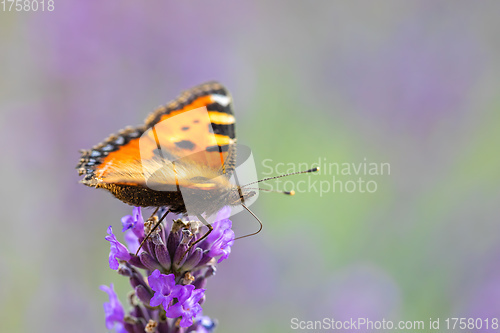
x=210, y=228
x=154, y=213
x=154, y=228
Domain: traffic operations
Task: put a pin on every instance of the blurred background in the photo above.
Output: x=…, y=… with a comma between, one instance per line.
x=413, y=84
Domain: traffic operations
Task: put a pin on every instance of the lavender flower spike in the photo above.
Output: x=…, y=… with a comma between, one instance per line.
x=167, y=297
x=113, y=311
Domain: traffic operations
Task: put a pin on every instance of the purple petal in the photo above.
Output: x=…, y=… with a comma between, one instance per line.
x=117, y=250
x=220, y=228
x=157, y=299
x=139, y=226
x=225, y=224
x=189, y=314
x=185, y=293
x=197, y=295
x=127, y=222
x=168, y=280
x=153, y=280
x=215, y=234
x=174, y=311
x=132, y=241
x=224, y=256
x=113, y=310
x=135, y=222
x=186, y=321
x=192, y=302
x=222, y=245
x=113, y=263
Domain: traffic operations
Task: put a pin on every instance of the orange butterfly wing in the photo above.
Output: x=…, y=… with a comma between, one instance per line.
x=196, y=129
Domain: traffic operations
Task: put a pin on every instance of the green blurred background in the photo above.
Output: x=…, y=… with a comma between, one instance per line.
x=411, y=83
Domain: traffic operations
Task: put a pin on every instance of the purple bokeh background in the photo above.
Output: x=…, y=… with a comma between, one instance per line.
x=414, y=84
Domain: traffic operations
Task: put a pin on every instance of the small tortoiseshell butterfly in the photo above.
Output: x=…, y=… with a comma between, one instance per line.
x=117, y=165
x=200, y=152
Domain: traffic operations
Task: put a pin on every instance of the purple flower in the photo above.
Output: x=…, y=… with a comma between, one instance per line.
x=113, y=310
x=117, y=250
x=133, y=226
x=134, y=222
x=188, y=306
x=164, y=287
x=221, y=238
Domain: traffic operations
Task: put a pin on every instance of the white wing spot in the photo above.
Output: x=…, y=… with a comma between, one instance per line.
x=221, y=99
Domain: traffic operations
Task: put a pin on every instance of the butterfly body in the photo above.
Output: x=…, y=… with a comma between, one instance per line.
x=184, y=153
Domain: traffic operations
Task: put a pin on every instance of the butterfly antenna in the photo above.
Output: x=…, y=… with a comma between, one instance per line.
x=255, y=233
x=267, y=190
x=154, y=228
x=285, y=175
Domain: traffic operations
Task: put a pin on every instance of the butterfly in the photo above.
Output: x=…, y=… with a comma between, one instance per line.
x=119, y=165
x=181, y=158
